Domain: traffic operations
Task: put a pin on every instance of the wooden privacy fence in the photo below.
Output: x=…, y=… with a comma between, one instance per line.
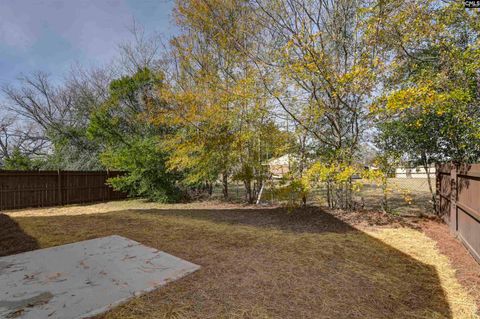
x=20, y=189
x=458, y=202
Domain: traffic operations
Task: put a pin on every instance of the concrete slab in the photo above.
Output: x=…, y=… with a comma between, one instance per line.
x=83, y=279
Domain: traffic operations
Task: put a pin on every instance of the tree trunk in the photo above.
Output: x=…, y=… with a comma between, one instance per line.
x=430, y=187
x=225, y=185
x=329, y=195
x=210, y=189
x=248, y=191
x=259, y=197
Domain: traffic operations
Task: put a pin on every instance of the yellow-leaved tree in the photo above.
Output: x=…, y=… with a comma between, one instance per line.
x=216, y=99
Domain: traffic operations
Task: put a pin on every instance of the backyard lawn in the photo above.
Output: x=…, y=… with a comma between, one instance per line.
x=268, y=262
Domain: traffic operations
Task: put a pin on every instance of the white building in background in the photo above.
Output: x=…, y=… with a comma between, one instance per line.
x=280, y=166
x=414, y=172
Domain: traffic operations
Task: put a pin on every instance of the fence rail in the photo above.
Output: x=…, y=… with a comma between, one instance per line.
x=458, y=202
x=21, y=189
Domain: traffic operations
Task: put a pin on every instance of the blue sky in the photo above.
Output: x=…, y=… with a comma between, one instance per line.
x=51, y=35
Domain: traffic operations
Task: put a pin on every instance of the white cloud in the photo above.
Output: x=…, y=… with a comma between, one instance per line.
x=94, y=27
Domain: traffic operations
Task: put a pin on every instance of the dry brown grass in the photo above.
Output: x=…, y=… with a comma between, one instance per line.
x=108, y=207
x=269, y=263
x=406, y=196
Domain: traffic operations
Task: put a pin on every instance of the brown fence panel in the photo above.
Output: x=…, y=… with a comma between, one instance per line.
x=458, y=202
x=21, y=189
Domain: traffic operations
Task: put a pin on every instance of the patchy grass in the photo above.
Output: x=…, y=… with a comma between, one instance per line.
x=406, y=196
x=264, y=262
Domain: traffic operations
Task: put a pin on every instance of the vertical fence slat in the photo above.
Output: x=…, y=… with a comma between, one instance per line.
x=67, y=189
x=59, y=189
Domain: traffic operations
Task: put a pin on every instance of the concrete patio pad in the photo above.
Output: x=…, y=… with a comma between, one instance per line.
x=83, y=279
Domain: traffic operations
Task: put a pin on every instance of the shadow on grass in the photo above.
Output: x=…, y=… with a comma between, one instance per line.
x=365, y=266
x=344, y=274
x=13, y=239
x=311, y=220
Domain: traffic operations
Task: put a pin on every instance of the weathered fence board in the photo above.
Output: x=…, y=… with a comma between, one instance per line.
x=458, y=202
x=21, y=189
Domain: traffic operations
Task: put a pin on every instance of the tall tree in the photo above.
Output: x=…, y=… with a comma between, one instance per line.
x=217, y=99
x=130, y=142
x=429, y=110
x=325, y=73
x=59, y=114
x=433, y=83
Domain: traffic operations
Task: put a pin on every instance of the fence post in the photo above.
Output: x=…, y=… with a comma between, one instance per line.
x=109, y=191
x=453, y=198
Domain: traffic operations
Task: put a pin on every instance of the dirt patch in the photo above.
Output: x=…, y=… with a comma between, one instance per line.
x=376, y=219
x=468, y=270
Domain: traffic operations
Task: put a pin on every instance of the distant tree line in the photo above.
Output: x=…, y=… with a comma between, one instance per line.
x=337, y=84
